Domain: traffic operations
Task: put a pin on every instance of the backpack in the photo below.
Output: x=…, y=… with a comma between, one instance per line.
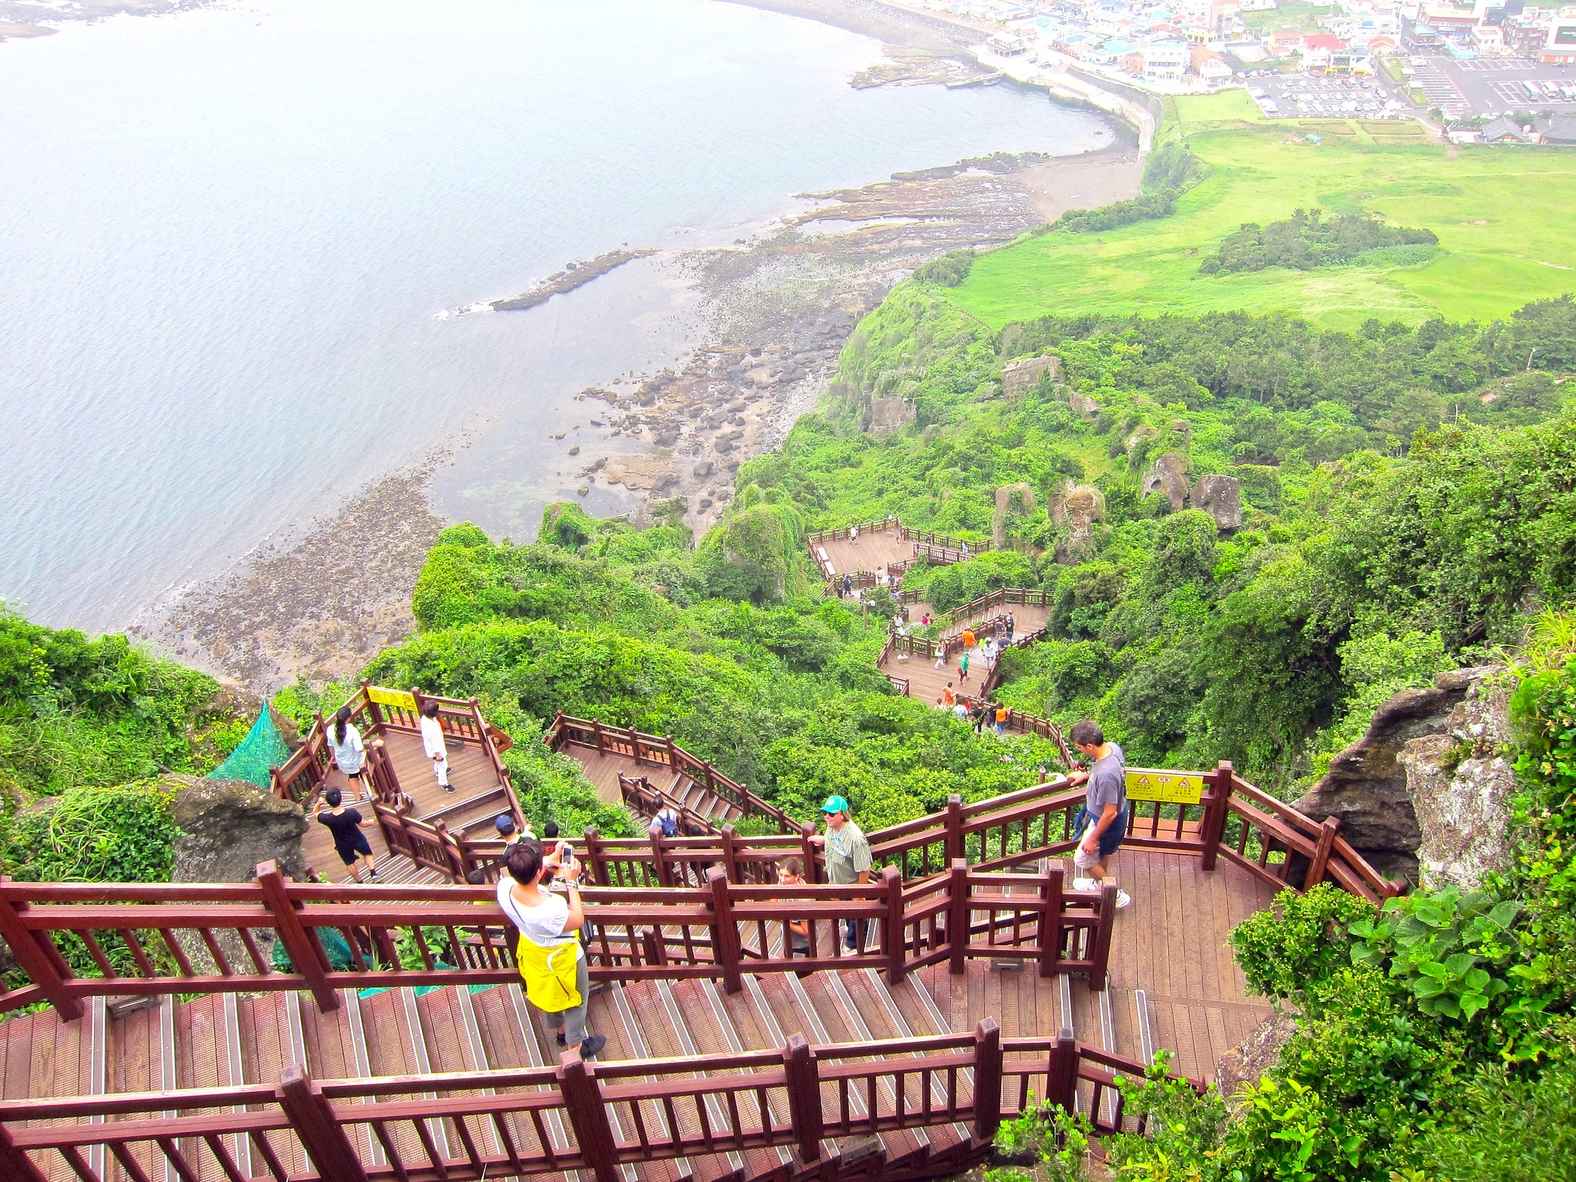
x=669, y=823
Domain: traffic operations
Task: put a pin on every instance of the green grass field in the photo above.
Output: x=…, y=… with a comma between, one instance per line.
x=1288, y=16
x=1503, y=219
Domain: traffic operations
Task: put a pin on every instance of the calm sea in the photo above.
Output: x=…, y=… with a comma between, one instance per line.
x=226, y=237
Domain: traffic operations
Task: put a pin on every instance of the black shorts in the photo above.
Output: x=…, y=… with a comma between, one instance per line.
x=1114, y=832
x=353, y=852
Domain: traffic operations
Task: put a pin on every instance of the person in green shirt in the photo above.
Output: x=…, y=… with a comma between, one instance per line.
x=847, y=855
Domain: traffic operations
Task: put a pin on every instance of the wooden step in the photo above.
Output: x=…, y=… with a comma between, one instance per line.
x=712, y=1031
x=846, y=1022
x=486, y=803
x=510, y=1040
x=624, y=1032
x=454, y=1043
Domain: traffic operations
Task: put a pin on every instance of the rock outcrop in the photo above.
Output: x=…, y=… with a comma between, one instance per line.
x=1221, y=498
x=227, y=828
x=1247, y=1062
x=1008, y=496
x=1423, y=794
x=1168, y=475
x=1083, y=405
x=1019, y=377
x=888, y=416
x=1076, y=508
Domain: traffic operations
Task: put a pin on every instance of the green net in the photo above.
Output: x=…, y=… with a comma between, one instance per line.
x=263, y=748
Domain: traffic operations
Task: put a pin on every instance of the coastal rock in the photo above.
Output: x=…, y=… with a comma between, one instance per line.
x=1247, y=1062
x=227, y=828
x=1168, y=475
x=1076, y=508
x=1400, y=780
x=1019, y=377
x=1084, y=405
x=704, y=469
x=1008, y=498
x=888, y=416
x=1221, y=498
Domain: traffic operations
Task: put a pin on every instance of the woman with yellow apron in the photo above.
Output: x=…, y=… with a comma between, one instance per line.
x=548, y=952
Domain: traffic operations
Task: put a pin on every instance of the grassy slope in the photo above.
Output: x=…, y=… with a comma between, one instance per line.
x=1502, y=219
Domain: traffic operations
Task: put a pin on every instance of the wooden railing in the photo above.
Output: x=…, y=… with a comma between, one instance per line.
x=656, y=751
x=841, y=533
x=526, y=1121
x=183, y=938
x=298, y=777
x=645, y=799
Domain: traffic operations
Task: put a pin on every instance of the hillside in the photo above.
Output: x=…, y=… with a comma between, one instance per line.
x=1504, y=234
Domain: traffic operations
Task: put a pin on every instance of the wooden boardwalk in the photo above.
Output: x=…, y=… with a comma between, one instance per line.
x=926, y=680
x=477, y=798
x=1169, y=953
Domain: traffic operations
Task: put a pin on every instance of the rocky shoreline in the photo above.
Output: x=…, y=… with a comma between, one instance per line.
x=576, y=274
x=777, y=308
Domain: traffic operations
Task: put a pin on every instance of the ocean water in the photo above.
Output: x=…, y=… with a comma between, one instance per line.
x=227, y=238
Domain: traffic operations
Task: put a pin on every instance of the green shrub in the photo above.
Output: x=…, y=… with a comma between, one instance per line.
x=1299, y=940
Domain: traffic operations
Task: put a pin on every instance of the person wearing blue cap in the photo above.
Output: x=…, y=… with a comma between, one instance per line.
x=847, y=855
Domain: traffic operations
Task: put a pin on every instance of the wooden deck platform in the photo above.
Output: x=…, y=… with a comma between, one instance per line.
x=872, y=550
x=926, y=681
x=477, y=798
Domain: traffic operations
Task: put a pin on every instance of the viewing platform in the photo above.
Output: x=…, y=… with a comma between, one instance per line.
x=366, y=1032
x=412, y=822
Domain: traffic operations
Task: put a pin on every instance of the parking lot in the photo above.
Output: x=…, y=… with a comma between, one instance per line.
x=1305, y=96
x=1492, y=85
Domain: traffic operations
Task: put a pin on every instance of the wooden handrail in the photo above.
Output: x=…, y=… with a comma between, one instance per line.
x=202, y=938
x=978, y=1079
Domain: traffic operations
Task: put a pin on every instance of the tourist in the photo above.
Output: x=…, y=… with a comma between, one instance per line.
x=941, y=656
x=948, y=696
x=925, y=620
x=853, y=533
x=848, y=585
x=960, y=709
x=349, y=842
x=963, y=667
x=350, y=754
x=1001, y=720
x=508, y=832
x=1102, y=821
x=1011, y=624
x=665, y=823
x=969, y=639
x=790, y=873
x=548, y=953
x=963, y=549
x=847, y=856
x=432, y=741
x=981, y=711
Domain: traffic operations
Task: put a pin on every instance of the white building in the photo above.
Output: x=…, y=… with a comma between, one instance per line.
x=1166, y=61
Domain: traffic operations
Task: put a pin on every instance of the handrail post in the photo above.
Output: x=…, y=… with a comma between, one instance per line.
x=451, y=850
x=957, y=915
x=34, y=959
x=1100, y=950
x=954, y=828
x=1061, y=1078
x=724, y=932
x=596, y=727
x=892, y=924
x=1321, y=853
x=304, y=951
x=593, y=851
x=582, y=1095
x=659, y=860
x=374, y=711
x=1051, y=920
x=1215, y=813
x=987, y=1079
x=730, y=855
x=807, y=847
x=804, y=1095
x=322, y=1136
x=16, y=1164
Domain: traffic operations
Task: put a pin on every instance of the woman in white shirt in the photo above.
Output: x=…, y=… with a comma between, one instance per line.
x=548, y=923
x=350, y=754
x=432, y=742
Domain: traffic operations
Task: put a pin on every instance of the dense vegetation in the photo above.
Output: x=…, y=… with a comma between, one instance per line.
x=1307, y=240
x=1168, y=173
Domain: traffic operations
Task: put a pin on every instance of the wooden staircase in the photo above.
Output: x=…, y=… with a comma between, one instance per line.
x=225, y=1040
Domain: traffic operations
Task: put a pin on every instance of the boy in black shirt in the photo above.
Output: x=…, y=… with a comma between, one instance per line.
x=349, y=842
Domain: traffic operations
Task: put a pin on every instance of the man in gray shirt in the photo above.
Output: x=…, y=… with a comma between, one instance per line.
x=1102, y=822
x=847, y=855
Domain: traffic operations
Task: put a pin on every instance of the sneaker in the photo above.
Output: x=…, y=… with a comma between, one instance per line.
x=592, y=1045
x=1085, y=884
x=561, y=1040
x=373, y=872
x=1122, y=899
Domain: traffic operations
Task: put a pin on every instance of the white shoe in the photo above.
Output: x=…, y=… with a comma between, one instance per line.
x=1122, y=899
x=1085, y=884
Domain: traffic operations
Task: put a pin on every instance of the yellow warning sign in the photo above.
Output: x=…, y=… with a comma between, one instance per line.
x=1166, y=787
x=403, y=699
